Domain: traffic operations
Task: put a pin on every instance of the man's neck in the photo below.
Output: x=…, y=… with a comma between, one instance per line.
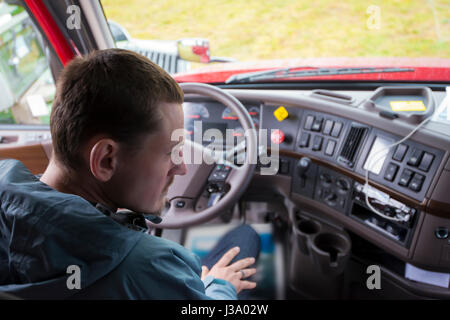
x=61, y=180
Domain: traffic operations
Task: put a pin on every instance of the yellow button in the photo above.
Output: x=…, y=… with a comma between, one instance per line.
x=281, y=113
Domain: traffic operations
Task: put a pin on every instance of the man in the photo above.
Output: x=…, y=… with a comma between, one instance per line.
x=111, y=124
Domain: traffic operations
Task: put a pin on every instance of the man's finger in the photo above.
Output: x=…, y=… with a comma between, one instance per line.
x=205, y=271
x=243, y=263
x=248, y=284
x=227, y=257
x=245, y=273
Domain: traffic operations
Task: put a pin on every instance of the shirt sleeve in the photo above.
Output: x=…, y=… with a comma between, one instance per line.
x=219, y=289
x=169, y=273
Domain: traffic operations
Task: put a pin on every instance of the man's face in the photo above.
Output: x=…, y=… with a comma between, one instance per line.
x=143, y=178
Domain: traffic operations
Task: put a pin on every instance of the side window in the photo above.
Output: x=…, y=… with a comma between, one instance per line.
x=26, y=84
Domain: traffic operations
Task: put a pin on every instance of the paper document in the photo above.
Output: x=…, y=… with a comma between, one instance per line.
x=37, y=105
x=425, y=276
x=442, y=113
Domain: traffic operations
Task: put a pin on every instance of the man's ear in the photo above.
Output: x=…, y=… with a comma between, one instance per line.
x=103, y=159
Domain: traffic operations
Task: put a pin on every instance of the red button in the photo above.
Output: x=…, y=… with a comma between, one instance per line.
x=277, y=136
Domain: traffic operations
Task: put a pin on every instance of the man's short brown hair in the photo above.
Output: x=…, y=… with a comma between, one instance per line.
x=114, y=92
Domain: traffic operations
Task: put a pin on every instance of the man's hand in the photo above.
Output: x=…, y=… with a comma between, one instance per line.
x=234, y=273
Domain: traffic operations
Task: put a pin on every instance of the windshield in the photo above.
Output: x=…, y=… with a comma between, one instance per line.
x=261, y=35
x=26, y=83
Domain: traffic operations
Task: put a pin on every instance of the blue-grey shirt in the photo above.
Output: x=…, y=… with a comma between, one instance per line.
x=44, y=232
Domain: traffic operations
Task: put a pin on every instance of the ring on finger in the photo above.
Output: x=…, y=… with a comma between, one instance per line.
x=243, y=273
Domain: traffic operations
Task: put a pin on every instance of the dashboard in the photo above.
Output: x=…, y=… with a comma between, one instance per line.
x=213, y=115
x=327, y=141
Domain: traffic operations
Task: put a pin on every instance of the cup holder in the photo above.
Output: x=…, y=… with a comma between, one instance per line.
x=304, y=230
x=325, y=246
x=331, y=251
x=308, y=227
x=320, y=256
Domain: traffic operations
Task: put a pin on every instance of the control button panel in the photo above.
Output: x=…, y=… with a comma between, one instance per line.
x=336, y=129
x=309, y=122
x=215, y=188
x=400, y=152
x=317, y=125
x=319, y=135
x=408, y=167
x=416, y=182
x=281, y=113
x=304, y=140
x=426, y=162
x=277, y=136
x=391, y=172
x=282, y=125
x=284, y=166
x=220, y=173
x=415, y=157
x=317, y=144
x=329, y=151
x=405, y=177
x=328, y=127
x=333, y=189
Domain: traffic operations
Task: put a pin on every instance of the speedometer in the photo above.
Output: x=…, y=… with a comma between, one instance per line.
x=253, y=112
x=195, y=111
x=228, y=114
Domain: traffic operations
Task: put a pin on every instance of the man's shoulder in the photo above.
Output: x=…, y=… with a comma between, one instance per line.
x=12, y=171
x=18, y=184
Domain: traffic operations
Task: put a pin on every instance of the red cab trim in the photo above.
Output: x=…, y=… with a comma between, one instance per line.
x=51, y=30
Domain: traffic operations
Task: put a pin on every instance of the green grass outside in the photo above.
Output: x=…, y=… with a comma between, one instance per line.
x=274, y=29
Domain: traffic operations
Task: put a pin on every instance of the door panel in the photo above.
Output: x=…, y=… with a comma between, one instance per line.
x=34, y=156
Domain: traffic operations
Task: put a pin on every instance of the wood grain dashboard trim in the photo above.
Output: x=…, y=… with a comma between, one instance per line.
x=429, y=206
x=32, y=156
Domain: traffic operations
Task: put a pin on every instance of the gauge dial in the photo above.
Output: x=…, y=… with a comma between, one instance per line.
x=195, y=111
x=254, y=112
x=227, y=114
x=238, y=132
x=256, y=122
x=189, y=127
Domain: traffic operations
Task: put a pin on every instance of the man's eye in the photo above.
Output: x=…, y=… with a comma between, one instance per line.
x=177, y=148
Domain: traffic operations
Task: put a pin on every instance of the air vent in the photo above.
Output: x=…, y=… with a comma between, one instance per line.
x=351, y=145
x=333, y=96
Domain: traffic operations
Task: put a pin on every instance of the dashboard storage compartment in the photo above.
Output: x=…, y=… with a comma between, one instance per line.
x=400, y=230
x=412, y=104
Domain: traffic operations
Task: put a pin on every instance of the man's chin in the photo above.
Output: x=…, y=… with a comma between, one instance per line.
x=161, y=206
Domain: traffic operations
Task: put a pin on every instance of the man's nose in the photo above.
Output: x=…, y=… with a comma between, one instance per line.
x=181, y=169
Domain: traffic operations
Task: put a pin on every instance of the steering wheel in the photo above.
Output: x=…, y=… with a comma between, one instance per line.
x=186, y=190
